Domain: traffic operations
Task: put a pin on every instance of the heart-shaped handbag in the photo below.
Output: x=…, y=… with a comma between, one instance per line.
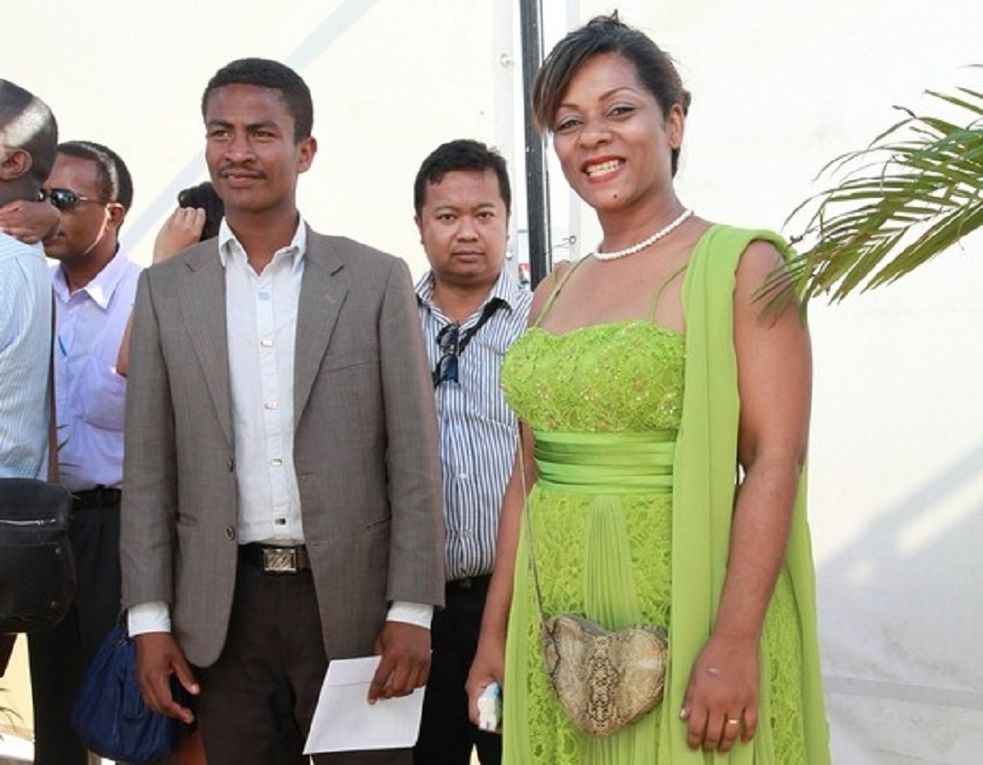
x=604, y=680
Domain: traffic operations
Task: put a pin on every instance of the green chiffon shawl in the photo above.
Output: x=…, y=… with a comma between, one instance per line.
x=703, y=499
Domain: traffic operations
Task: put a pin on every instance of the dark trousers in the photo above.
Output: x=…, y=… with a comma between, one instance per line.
x=447, y=735
x=257, y=701
x=58, y=656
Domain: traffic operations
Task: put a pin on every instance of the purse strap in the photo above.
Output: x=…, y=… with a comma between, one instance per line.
x=529, y=533
x=52, y=418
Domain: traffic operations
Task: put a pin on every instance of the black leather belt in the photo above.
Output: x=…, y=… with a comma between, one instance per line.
x=471, y=583
x=275, y=560
x=100, y=496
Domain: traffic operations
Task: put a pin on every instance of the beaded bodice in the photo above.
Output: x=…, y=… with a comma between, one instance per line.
x=616, y=377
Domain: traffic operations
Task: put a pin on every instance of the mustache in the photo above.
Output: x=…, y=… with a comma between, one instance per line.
x=231, y=169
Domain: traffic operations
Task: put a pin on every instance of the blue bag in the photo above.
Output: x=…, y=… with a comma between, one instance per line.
x=110, y=716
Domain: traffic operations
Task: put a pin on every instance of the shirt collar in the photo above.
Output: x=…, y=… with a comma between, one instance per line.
x=101, y=288
x=505, y=288
x=229, y=245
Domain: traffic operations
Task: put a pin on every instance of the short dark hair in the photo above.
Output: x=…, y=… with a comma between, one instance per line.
x=607, y=34
x=462, y=154
x=27, y=123
x=204, y=196
x=115, y=183
x=265, y=73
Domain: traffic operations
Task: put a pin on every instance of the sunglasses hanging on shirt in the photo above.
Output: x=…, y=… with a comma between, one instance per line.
x=451, y=342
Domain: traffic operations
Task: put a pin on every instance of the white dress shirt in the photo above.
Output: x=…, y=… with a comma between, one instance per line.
x=25, y=347
x=261, y=318
x=90, y=395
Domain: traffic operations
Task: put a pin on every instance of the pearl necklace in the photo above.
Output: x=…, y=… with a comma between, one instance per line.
x=660, y=234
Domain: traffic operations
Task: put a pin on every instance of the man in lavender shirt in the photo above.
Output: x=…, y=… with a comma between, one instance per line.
x=94, y=285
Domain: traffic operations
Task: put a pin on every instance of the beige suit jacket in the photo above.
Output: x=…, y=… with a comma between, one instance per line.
x=365, y=447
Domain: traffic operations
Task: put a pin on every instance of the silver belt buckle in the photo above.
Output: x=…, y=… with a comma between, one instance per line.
x=280, y=560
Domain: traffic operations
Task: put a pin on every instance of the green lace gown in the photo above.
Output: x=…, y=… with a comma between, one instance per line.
x=605, y=404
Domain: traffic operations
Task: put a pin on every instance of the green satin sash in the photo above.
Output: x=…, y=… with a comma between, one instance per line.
x=606, y=463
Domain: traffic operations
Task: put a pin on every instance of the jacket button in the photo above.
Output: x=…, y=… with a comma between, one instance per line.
x=230, y=533
x=232, y=465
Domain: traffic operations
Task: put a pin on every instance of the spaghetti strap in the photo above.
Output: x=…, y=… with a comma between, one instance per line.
x=556, y=292
x=662, y=287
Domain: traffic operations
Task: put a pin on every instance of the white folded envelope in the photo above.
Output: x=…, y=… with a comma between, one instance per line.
x=344, y=721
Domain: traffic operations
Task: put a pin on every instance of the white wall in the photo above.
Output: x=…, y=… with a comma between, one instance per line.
x=389, y=84
x=779, y=88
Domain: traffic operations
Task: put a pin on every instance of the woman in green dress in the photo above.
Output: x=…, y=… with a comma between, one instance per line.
x=665, y=422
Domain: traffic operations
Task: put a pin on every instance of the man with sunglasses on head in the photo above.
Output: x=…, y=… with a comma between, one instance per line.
x=94, y=284
x=28, y=138
x=472, y=309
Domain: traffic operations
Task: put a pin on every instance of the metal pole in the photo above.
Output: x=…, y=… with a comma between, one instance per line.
x=537, y=190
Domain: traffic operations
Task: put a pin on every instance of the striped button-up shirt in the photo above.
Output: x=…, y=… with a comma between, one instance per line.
x=25, y=347
x=476, y=427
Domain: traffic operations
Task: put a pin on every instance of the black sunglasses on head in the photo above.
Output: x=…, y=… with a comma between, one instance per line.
x=449, y=344
x=65, y=199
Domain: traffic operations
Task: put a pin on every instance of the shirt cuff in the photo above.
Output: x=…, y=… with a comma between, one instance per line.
x=419, y=614
x=148, y=617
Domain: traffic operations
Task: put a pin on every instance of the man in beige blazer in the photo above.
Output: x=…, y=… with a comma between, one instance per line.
x=281, y=501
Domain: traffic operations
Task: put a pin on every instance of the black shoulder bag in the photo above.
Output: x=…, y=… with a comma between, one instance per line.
x=37, y=570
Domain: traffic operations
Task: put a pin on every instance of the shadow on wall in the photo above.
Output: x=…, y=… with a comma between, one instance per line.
x=902, y=618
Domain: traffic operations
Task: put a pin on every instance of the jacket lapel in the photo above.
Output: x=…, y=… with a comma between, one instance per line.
x=203, y=306
x=321, y=297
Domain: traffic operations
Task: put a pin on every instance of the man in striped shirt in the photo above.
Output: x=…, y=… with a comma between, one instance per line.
x=472, y=310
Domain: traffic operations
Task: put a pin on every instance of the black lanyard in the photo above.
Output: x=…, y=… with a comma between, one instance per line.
x=464, y=338
x=451, y=342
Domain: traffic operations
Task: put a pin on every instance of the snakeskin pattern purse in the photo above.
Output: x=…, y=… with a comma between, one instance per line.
x=604, y=680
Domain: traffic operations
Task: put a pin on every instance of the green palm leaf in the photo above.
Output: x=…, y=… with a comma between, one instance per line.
x=916, y=190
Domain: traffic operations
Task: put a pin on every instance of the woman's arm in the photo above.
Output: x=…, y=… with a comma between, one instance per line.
x=31, y=222
x=774, y=370
x=489, y=660
x=182, y=229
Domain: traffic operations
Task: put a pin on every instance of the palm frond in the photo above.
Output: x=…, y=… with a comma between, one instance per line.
x=914, y=191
